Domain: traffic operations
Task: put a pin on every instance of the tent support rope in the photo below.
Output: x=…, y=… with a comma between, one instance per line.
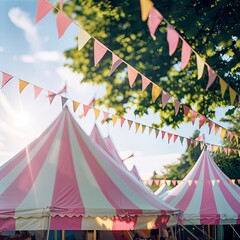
x=188, y=231
x=235, y=231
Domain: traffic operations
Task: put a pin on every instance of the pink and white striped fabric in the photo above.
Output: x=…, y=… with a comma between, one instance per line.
x=206, y=195
x=62, y=180
x=161, y=190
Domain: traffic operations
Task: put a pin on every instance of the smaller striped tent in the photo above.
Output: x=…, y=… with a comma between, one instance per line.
x=206, y=195
x=161, y=190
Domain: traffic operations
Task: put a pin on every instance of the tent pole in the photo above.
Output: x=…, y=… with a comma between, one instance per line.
x=209, y=232
x=94, y=234
x=63, y=235
x=188, y=231
x=235, y=231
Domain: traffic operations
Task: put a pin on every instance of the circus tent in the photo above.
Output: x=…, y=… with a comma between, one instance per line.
x=161, y=190
x=206, y=195
x=62, y=180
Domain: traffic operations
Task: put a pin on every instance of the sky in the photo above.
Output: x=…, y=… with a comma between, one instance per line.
x=32, y=52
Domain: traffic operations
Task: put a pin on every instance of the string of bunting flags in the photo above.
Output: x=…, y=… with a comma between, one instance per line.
x=63, y=22
x=154, y=19
x=6, y=77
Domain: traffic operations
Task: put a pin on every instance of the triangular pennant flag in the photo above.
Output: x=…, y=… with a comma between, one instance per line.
x=137, y=125
x=150, y=182
x=174, y=182
x=175, y=137
x=168, y=182
x=154, y=19
x=195, y=182
x=63, y=23
x=105, y=116
x=156, y=90
x=22, y=85
x=163, y=134
x=181, y=139
x=235, y=151
x=230, y=135
x=156, y=181
x=83, y=38
x=238, y=181
x=99, y=51
x=116, y=61
x=51, y=96
x=5, y=78
x=165, y=97
x=223, y=133
x=185, y=110
x=145, y=182
x=146, y=6
x=86, y=109
x=216, y=128
x=186, y=53
x=215, y=149
x=223, y=86
x=64, y=100
x=75, y=105
x=114, y=119
x=37, y=91
x=210, y=125
x=96, y=113
x=156, y=133
x=202, y=120
x=236, y=137
x=193, y=116
x=43, y=8
x=233, y=181
x=211, y=77
x=233, y=95
x=188, y=142
x=145, y=82
x=178, y=182
x=195, y=143
x=225, y=150
x=169, y=137
x=176, y=106
x=200, y=138
x=200, y=66
x=132, y=75
x=150, y=130
x=143, y=128
x=172, y=38
x=130, y=123
x=122, y=120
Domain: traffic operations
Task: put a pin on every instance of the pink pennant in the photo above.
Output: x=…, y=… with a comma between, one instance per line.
x=163, y=134
x=37, y=91
x=99, y=51
x=64, y=100
x=51, y=96
x=145, y=82
x=169, y=137
x=186, y=110
x=231, y=135
x=116, y=61
x=186, y=53
x=105, y=116
x=176, y=105
x=132, y=75
x=165, y=97
x=216, y=128
x=172, y=38
x=210, y=125
x=122, y=120
x=63, y=23
x=200, y=138
x=43, y=8
x=202, y=120
x=174, y=182
x=211, y=77
x=193, y=116
x=238, y=181
x=195, y=143
x=175, y=137
x=150, y=182
x=86, y=108
x=154, y=19
x=5, y=78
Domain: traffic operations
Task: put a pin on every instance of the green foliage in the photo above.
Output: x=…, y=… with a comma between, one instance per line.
x=210, y=27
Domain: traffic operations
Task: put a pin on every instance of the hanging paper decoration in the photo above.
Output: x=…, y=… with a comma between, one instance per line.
x=172, y=38
x=116, y=61
x=43, y=8
x=37, y=91
x=186, y=53
x=132, y=75
x=176, y=106
x=186, y=110
x=130, y=123
x=169, y=137
x=64, y=100
x=181, y=139
x=193, y=116
x=200, y=66
x=143, y=128
x=150, y=131
x=5, y=78
x=96, y=113
x=51, y=96
x=137, y=125
x=22, y=85
x=83, y=38
x=216, y=128
x=75, y=105
x=223, y=133
x=165, y=97
x=163, y=134
x=175, y=137
x=156, y=90
x=146, y=6
x=210, y=125
x=105, y=116
x=202, y=120
x=63, y=23
x=145, y=82
x=122, y=120
x=211, y=77
x=154, y=19
x=156, y=133
x=99, y=51
x=114, y=119
x=223, y=86
x=86, y=109
x=233, y=95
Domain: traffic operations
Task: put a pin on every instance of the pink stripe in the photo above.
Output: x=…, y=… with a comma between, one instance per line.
x=7, y=224
x=208, y=209
x=66, y=223
x=126, y=223
x=66, y=196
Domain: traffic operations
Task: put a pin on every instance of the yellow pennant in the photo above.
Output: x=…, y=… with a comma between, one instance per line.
x=156, y=90
x=75, y=105
x=146, y=6
x=223, y=133
x=215, y=148
x=114, y=118
x=236, y=137
x=83, y=38
x=22, y=85
x=137, y=125
x=143, y=128
x=96, y=112
x=233, y=95
x=200, y=66
x=233, y=181
x=223, y=86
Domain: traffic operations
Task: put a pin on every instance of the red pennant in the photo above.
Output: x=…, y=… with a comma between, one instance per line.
x=175, y=138
x=169, y=137
x=163, y=134
x=188, y=142
x=176, y=105
x=211, y=77
x=64, y=100
x=202, y=120
x=51, y=96
x=37, y=91
x=165, y=97
x=132, y=75
x=216, y=128
x=186, y=53
x=193, y=116
x=172, y=38
x=210, y=125
x=63, y=23
x=116, y=61
x=145, y=82
x=86, y=108
x=154, y=19
x=43, y=8
x=99, y=51
x=5, y=78
x=186, y=110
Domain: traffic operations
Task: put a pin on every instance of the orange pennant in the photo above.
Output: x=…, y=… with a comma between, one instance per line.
x=216, y=128
x=86, y=109
x=200, y=66
x=143, y=128
x=156, y=90
x=22, y=85
x=114, y=118
x=137, y=125
x=223, y=133
x=146, y=6
x=75, y=105
x=132, y=75
x=96, y=113
x=169, y=137
x=233, y=95
x=223, y=86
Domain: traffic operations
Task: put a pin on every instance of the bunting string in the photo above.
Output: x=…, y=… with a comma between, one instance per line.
x=106, y=115
x=63, y=21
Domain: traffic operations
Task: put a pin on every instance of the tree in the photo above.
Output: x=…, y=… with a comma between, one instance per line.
x=210, y=27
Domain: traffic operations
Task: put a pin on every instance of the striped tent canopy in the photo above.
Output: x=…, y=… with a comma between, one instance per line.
x=62, y=180
x=161, y=190
x=206, y=195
